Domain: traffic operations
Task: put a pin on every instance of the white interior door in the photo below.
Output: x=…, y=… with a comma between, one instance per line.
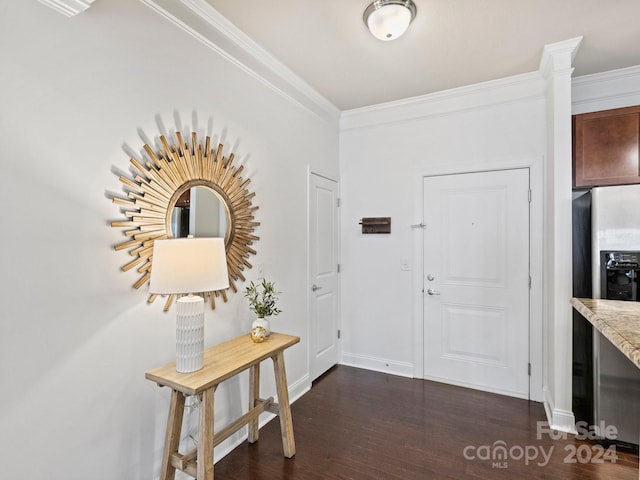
x=476, y=280
x=323, y=275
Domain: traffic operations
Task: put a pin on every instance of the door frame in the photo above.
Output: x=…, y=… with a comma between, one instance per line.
x=310, y=173
x=536, y=246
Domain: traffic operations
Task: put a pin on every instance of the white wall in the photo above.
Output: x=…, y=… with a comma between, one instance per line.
x=76, y=94
x=384, y=153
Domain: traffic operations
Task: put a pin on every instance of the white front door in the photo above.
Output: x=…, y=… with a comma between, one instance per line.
x=476, y=280
x=323, y=275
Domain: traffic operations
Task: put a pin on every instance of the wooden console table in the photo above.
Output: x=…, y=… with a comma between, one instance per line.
x=220, y=363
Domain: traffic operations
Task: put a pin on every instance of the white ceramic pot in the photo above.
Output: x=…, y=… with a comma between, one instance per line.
x=262, y=322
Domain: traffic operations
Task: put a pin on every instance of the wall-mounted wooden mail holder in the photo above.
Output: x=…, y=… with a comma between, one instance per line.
x=376, y=225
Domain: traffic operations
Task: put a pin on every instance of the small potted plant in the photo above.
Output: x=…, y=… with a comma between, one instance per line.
x=262, y=301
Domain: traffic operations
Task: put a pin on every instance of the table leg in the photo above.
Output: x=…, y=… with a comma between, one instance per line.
x=254, y=396
x=205, y=436
x=284, y=409
x=172, y=437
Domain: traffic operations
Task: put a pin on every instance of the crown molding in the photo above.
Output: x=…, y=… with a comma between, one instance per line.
x=557, y=58
x=494, y=92
x=206, y=24
x=68, y=8
x=556, y=61
x=603, y=91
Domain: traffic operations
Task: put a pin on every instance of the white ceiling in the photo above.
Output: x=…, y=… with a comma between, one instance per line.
x=450, y=43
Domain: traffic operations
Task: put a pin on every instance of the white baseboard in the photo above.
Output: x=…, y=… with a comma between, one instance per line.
x=403, y=369
x=558, y=419
x=299, y=388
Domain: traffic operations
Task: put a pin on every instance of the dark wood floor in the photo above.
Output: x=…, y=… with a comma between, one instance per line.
x=358, y=424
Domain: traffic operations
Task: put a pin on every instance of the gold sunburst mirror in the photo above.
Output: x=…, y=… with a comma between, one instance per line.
x=186, y=189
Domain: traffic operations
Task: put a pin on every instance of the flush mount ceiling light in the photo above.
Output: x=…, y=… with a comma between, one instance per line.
x=389, y=19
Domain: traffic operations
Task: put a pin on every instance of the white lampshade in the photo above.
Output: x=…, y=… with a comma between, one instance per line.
x=389, y=19
x=188, y=265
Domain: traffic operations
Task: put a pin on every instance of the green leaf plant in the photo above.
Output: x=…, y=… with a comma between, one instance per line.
x=262, y=298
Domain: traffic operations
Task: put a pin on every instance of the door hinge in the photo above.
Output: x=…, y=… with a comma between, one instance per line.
x=338, y=334
x=338, y=201
x=338, y=268
x=529, y=369
x=421, y=225
x=529, y=282
x=529, y=195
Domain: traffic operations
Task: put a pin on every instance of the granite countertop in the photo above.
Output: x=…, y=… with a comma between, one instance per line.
x=617, y=320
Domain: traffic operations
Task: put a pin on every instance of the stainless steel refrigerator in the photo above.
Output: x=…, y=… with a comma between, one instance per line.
x=614, y=217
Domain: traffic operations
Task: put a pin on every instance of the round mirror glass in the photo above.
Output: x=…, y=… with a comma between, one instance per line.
x=200, y=212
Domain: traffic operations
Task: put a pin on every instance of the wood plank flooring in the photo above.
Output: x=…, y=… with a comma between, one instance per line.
x=357, y=424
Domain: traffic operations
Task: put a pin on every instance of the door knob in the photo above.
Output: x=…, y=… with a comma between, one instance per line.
x=431, y=291
x=315, y=287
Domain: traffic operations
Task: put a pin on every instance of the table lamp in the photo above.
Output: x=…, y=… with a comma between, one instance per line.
x=185, y=266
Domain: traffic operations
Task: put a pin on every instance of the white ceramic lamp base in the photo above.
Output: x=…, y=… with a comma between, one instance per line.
x=189, y=333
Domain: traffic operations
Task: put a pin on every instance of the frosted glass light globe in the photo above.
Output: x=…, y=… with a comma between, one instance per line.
x=389, y=22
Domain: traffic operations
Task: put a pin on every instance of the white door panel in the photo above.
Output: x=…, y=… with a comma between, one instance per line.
x=473, y=230
x=323, y=275
x=485, y=341
x=476, y=265
x=325, y=337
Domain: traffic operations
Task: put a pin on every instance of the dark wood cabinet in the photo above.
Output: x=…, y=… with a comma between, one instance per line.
x=606, y=147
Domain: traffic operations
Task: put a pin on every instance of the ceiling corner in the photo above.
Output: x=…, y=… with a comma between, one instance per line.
x=207, y=25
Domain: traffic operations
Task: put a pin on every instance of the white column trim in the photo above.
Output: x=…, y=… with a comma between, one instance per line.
x=558, y=57
x=556, y=68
